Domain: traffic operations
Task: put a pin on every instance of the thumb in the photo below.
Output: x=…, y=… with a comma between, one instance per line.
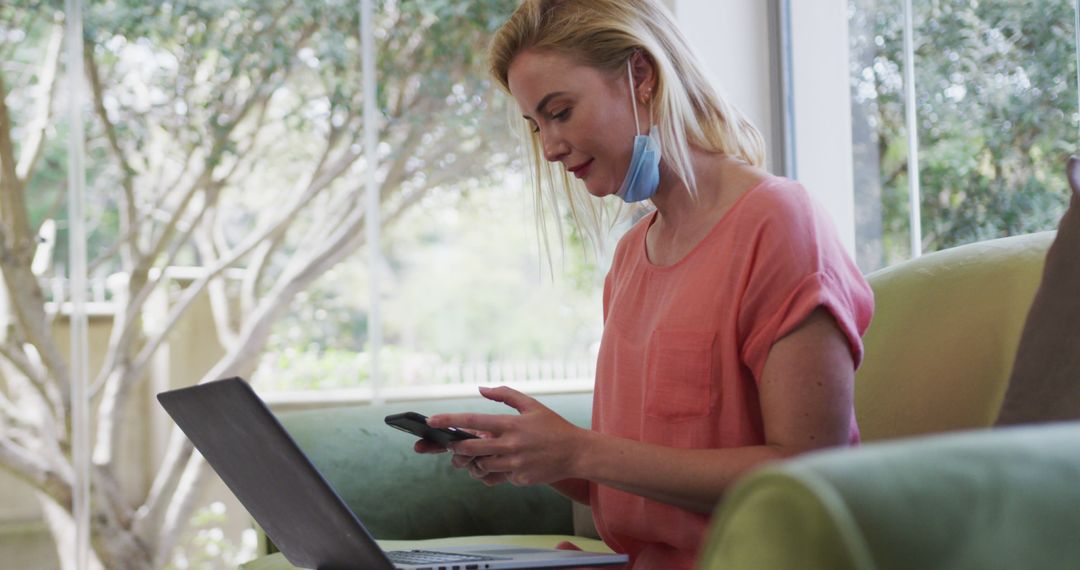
x=510, y=397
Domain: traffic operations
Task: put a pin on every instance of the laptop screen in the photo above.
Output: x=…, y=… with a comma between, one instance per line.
x=262, y=465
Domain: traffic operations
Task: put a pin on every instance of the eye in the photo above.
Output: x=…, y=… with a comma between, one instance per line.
x=562, y=115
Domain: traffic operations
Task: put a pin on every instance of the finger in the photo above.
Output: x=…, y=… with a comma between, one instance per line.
x=510, y=397
x=567, y=545
x=425, y=446
x=461, y=461
x=494, y=479
x=494, y=423
x=479, y=447
x=477, y=470
x=497, y=464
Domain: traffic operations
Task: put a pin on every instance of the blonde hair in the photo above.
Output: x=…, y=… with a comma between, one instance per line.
x=604, y=34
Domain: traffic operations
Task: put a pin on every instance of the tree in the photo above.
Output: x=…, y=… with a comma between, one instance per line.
x=997, y=106
x=224, y=133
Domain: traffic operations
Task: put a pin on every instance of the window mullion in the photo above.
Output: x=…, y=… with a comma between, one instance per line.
x=911, y=113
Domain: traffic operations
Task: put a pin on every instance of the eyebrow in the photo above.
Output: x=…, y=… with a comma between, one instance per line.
x=543, y=102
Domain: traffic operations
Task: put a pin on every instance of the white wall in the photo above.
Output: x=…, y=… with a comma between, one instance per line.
x=822, y=91
x=733, y=38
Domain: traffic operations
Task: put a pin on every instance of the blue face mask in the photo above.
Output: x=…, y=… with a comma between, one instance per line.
x=643, y=176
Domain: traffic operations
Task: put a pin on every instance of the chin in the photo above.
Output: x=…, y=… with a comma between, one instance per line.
x=599, y=190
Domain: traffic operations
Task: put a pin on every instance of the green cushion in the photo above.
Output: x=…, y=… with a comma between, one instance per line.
x=983, y=499
x=398, y=494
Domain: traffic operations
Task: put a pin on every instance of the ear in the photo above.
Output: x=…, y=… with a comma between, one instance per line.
x=643, y=67
x=1074, y=174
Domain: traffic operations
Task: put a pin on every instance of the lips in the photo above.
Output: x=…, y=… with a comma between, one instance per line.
x=582, y=169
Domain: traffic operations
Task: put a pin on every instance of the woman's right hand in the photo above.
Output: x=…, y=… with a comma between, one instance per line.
x=476, y=471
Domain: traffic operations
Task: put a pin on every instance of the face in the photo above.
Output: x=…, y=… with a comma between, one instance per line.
x=582, y=116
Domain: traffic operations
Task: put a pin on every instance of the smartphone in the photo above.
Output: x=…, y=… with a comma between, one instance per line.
x=416, y=424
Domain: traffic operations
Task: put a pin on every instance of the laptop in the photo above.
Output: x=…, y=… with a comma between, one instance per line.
x=296, y=507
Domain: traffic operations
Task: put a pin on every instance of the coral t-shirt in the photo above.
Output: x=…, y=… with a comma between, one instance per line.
x=684, y=346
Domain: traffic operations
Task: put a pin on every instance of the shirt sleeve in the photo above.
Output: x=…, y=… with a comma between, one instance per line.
x=796, y=264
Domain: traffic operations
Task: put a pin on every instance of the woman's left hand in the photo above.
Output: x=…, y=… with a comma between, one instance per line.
x=535, y=447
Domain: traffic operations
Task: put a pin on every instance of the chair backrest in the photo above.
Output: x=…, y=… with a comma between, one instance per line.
x=941, y=346
x=1045, y=383
x=400, y=495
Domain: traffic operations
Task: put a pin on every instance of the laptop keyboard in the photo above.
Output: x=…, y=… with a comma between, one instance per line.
x=429, y=557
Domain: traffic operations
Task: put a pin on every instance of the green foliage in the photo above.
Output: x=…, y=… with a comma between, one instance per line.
x=316, y=368
x=997, y=114
x=184, y=83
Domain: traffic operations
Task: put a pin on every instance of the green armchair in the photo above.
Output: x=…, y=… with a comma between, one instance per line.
x=938, y=359
x=932, y=486
x=941, y=356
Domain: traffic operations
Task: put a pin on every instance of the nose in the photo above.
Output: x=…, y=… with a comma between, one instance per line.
x=554, y=146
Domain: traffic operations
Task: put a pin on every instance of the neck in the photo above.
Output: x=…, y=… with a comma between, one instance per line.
x=674, y=202
x=721, y=179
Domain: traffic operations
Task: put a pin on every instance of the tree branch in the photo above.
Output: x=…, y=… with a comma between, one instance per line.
x=123, y=377
x=318, y=179
x=396, y=172
x=10, y=412
x=297, y=275
x=241, y=358
x=182, y=506
x=221, y=138
x=12, y=204
x=219, y=302
x=192, y=291
x=29, y=467
x=129, y=208
x=121, y=335
x=28, y=305
x=32, y=149
x=37, y=380
x=149, y=517
x=132, y=233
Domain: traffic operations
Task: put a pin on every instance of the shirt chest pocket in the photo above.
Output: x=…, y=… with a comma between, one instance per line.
x=679, y=383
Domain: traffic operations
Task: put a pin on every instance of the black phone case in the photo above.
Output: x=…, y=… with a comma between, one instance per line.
x=416, y=424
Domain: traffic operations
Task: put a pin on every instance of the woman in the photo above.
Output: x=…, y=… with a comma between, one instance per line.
x=732, y=315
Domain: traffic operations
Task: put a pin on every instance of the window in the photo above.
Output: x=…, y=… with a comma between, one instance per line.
x=995, y=104
x=226, y=231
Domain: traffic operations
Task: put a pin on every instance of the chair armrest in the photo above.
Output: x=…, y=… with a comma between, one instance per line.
x=1006, y=498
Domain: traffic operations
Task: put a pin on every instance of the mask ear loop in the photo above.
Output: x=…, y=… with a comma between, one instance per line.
x=633, y=97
